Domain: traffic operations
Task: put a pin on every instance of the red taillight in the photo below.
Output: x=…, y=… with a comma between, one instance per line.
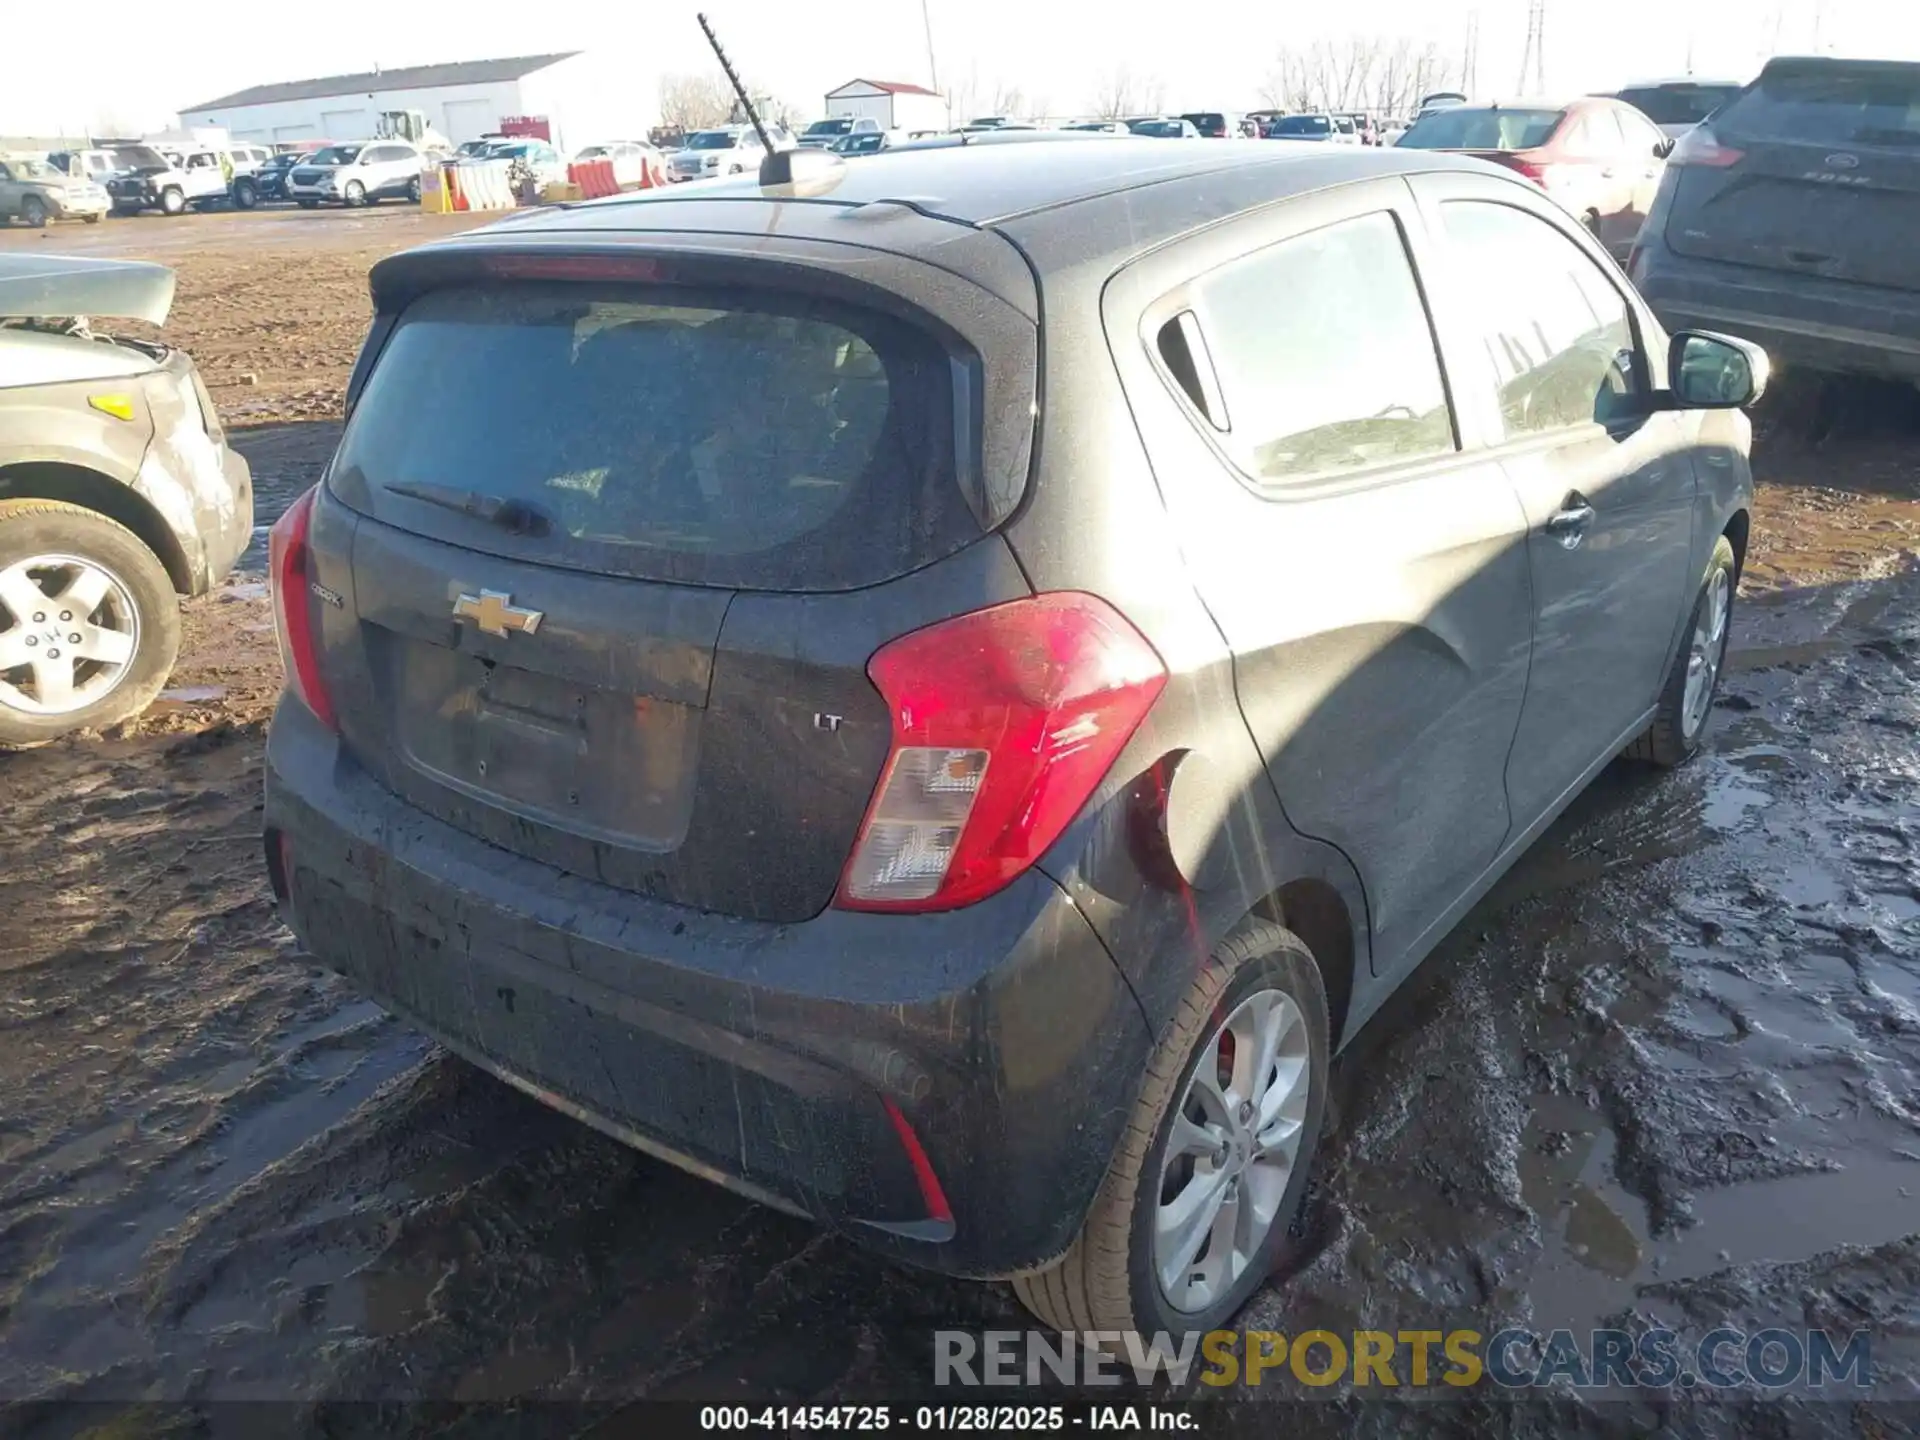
x=1700, y=147
x=293, y=608
x=1531, y=169
x=1004, y=721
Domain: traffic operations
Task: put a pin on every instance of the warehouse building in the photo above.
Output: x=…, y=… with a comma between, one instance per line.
x=580, y=99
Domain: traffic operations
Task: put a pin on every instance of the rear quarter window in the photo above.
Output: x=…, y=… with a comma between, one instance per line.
x=667, y=434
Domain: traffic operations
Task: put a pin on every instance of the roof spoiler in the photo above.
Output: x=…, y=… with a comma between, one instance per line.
x=1826, y=65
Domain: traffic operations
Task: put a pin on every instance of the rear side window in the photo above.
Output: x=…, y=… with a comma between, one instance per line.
x=1595, y=133
x=1831, y=107
x=666, y=434
x=1324, y=355
x=1559, y=336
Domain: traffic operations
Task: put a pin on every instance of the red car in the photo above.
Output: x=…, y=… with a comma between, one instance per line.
x=1599, y=158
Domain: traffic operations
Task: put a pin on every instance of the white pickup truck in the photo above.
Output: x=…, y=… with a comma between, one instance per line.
x=168, y=179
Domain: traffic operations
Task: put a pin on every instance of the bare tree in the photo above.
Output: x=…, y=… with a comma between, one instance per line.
x=1008, y=100
x=1363, y=72
x=961, y=91
x=1122, y=93
x=694, y=102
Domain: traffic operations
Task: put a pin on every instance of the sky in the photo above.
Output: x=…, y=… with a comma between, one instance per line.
x=1058, y=52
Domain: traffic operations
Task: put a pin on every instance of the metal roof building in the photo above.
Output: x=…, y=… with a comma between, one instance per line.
x=462, y=99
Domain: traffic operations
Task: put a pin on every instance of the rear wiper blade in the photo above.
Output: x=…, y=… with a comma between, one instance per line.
x=516, y=516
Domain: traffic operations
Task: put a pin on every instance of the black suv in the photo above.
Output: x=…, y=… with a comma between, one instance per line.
x=1788, y=216
x=939, y=694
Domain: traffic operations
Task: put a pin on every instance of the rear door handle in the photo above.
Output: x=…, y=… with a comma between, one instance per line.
x=1570, y=523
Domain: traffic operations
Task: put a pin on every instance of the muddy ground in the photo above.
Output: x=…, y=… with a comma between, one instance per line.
x=1669, y=1072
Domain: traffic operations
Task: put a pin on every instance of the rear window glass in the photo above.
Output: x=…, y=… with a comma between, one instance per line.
x=1859, y=107
x=1474, y=129
x=1679, y=104
x=1303, y=125
x=666, y=434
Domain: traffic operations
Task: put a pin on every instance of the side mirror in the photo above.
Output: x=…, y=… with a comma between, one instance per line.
x=1715, y=372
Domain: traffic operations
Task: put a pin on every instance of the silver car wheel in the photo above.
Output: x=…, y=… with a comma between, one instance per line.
x=71, y=632
x=1232, y=1150
x=1704, y=652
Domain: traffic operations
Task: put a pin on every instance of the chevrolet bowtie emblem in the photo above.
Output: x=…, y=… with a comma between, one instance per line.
x=496, y=614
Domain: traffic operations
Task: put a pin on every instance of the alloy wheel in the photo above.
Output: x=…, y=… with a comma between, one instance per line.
x=1232, y=1150
x=1705, y=651
x=71, y=632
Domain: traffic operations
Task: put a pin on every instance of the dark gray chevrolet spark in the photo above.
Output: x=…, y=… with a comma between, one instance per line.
x=940, y=695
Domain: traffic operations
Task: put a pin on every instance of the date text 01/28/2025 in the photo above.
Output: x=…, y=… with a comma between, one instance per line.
x=978, y=1419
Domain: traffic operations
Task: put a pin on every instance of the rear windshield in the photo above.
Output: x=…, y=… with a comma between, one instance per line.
x=667, y=434
x=1303, y=125
x=1857, y=107
x=712, y=140
x=1678, y=104
x=1474, y=129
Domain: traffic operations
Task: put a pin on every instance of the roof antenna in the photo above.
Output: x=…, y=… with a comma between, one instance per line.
x=733, y=78
x=809, y=172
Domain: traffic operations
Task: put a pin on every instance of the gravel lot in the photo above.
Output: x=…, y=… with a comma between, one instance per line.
x=1671, y=1070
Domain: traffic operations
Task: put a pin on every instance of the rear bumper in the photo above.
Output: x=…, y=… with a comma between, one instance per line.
x=801, y=1064
x=1802, y=321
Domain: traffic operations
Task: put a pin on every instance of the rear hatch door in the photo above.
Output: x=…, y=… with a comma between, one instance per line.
x=612, y=534
x=1820, y=175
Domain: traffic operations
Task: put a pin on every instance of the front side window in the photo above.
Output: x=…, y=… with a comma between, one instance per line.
x=1558, y=334
x=1324, y=355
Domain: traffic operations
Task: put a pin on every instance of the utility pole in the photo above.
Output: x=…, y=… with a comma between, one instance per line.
x=1470, y=58
x=933, y=71
x=1533, y=60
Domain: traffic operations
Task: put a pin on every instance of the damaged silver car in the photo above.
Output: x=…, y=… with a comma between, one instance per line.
x=118, y=494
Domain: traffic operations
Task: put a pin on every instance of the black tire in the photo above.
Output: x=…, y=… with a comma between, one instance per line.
x=1675, y=734
x=173, y=201
x=355, y=195
x=413, y=190
x=33, y=210
x=125, y=210
x=309, y=204
x=1105, y=1280
x=246, y=194
x=50, y=527
x=91, y=219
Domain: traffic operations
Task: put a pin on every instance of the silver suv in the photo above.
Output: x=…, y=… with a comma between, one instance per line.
x=729, y=150
x=358, y=174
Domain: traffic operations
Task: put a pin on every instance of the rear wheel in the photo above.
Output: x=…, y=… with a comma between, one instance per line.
x=1687, y=698
x=33, y=210
x=173, y=200
x=1197, y=1205
x=91, y=219
x=413, y=190
x=309, y=204
x=89, y=624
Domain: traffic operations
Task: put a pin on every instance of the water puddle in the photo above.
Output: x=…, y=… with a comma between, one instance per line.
x=1598, y=1247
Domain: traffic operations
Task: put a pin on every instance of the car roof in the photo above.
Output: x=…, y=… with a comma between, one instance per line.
x=1027, y=174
